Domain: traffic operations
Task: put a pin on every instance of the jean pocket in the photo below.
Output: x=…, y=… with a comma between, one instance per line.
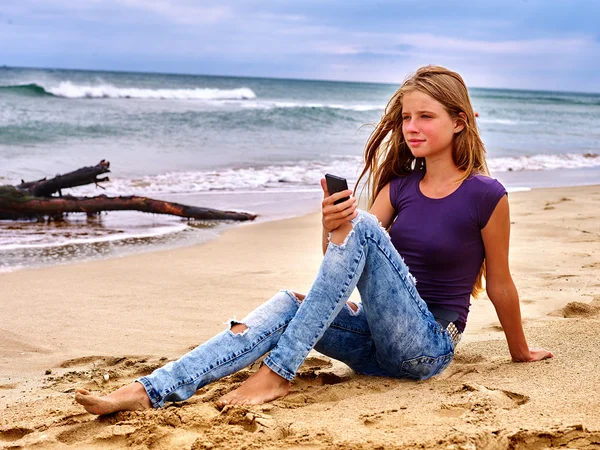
x=425, y=367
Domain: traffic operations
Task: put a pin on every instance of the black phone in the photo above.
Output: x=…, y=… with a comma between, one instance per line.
x=336, y=184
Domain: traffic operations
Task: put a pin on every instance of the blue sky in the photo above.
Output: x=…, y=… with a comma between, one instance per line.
x=543, y=44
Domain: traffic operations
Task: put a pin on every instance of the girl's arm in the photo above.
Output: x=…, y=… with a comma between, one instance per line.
x=500, y=287
x=335, y=215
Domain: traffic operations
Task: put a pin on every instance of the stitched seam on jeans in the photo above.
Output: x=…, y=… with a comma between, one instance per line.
x=281, y=369
x=343, y=293
x=151, y=391
x=228, y=361
x=410, y=291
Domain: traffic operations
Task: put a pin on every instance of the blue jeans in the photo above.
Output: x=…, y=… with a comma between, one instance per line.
x=391, y=334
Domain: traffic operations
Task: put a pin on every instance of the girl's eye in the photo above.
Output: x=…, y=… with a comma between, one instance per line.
x=405, y=118
x=426, y=116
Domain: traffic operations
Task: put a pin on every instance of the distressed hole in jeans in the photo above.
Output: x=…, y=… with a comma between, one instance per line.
x=297, y=296
x=385, y=232
x=408, y=274
x=237, y=328
x=353, y=307
x=335, y=235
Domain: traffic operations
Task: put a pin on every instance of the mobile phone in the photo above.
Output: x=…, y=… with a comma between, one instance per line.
x=336, y=184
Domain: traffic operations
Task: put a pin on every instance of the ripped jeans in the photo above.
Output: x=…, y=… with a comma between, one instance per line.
x=391, y=334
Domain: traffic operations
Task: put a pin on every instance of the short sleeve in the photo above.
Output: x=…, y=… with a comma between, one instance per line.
x=493, y=192
x=399, y=186
x=395, y=188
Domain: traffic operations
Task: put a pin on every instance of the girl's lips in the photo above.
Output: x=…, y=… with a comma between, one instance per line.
x=415, y=141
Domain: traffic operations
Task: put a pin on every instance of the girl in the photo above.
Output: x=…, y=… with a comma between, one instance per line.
x=426, y=169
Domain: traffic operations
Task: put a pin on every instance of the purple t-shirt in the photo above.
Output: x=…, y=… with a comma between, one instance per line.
x=440, y=239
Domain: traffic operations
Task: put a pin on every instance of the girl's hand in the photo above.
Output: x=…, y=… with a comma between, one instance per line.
x=536, y=354
x=336, y=215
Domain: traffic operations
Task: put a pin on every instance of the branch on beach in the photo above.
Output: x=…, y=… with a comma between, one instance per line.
x=34, y=200
x=79, y=177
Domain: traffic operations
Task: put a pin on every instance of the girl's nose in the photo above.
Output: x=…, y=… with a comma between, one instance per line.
x=410, y=126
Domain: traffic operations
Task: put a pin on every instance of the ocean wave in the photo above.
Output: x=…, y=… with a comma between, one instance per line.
x=359, y=108
x=285, y=177
x=304, y=175
x=534, y=97
x=544, y=162
x=30, y=89
x=262, y=104
x=67, y=89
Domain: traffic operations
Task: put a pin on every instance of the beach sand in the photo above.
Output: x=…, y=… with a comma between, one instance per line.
x=66, y=327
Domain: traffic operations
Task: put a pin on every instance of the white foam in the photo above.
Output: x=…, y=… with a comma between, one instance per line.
x=287, y=177
x=500, y=121
x=518, y=189
x=544, y=162
x=302, y=176
x=154, y=232
x=68, y=89
x=506, y=121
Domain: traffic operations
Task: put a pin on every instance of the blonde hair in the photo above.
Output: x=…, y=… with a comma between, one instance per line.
x=387, y=155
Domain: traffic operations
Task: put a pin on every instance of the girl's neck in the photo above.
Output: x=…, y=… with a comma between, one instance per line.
x=441, y=171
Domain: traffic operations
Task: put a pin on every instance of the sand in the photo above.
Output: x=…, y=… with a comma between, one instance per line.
x=100, y=324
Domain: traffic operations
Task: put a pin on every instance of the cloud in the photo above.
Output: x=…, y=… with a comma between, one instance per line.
x=355, y=40
x=177, y=12
x=182, y=12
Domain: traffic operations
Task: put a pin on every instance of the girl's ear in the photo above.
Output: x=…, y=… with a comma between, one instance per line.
x=459, y=122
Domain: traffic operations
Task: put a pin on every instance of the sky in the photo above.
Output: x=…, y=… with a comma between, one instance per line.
x=521, y=44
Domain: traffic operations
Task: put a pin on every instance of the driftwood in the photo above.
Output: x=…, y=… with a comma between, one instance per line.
x=80, y=177
x=34, y=200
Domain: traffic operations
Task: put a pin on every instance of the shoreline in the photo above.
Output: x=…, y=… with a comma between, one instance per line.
x=155, y=237
x=120, y=316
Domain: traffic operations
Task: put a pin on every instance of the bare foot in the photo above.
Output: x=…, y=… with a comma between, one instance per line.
x=128, y=398
x=263, y=386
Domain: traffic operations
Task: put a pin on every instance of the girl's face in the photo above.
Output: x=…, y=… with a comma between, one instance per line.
x=427, y=127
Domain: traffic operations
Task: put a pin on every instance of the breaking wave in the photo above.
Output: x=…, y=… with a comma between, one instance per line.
x=67, y=89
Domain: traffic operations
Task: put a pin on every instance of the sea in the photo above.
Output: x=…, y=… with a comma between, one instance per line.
x=248, y=144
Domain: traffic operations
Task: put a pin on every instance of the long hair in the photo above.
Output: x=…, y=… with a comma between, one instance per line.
x=387, y=155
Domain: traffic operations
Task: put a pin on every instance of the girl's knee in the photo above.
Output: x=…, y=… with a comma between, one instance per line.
x=338, y=236
x=296, y=296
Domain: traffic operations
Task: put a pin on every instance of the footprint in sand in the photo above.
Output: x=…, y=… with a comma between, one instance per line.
x=386, y=418
x=550, y=205
x=482, y=400
x=13, y=434
x=464, y=363
x=80, y=432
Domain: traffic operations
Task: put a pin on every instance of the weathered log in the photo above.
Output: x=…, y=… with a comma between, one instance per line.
x=33, y=200
x=17, y=203
x=79, y=177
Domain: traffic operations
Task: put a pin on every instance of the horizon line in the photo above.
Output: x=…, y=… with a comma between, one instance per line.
x=256, y=77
